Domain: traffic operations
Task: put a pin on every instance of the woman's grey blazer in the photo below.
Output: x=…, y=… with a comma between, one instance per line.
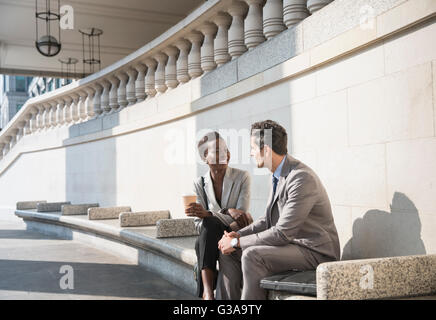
x=236, y=194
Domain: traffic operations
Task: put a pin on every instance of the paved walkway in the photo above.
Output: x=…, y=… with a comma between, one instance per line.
x=30, y=265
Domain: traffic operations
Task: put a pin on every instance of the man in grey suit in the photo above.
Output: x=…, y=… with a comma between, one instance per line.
x=297, y=231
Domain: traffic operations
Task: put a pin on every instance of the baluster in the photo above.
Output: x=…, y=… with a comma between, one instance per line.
x=27, y=129
x=130, y=87
x=171, y=68
x=6, y=147
x=113, y=97
x=81, y=113
x=315, y=5
x=60, y=120
x=294, y=11
x=207, y=52
x=150, y=89
x=74, y=110
x=254, y=24
x=237, y=10
x=182, y=62
x=104, y=99
x=122, y=96
x=52, y=114
x=194, y=57
x=140, y=82
x=159, y=77
x=88, y=110
x=67, y=110
x=273, y=18
x=221, y=48
x=96, y=103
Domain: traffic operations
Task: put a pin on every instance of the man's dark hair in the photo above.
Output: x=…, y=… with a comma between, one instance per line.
x=202, y=147
x=272, y=134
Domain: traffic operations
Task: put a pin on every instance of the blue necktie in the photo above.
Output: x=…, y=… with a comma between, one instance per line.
x=275, y=180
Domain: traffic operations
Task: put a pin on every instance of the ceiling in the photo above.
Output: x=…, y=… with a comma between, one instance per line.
x=127, y=25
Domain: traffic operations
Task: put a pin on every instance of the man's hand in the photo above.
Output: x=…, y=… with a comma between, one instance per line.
x=224, y=244
x=241, y=218
x=196, y=210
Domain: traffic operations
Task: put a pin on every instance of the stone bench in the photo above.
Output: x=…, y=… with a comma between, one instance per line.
x=50, y=206
x=77, y=209
x=26, y=205
x=166, y=228
x=378, y=278
x=106, y=213
x=145, y=218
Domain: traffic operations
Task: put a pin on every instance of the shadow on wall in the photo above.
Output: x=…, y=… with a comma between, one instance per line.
x=387, y=234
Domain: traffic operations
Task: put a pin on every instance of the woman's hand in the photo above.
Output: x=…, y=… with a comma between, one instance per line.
x=242, y=219
x=197, y=210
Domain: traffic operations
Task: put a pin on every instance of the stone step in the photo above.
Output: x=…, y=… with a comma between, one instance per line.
x=144, y=218
x=77, y=209
x=50, y=206
x=166, y=228
x=26, y=205
x=106, y=213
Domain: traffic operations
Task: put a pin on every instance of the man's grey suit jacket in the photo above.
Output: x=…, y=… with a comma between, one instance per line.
x=300, y=213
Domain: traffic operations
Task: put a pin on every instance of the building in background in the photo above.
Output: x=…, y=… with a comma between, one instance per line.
x=13, y=95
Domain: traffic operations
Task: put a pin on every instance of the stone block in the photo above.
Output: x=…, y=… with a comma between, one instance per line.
x=76, y=209
x=220, y=78
x=379, y=278
x=145, y=218
x=167, y=228
x=25, y=205
x=50, y=206
x=106, y=213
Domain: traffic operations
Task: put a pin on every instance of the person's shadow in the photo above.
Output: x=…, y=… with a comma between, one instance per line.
x=386, y=234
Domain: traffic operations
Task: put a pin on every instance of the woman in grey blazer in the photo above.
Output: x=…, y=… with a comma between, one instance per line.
x=219, y=192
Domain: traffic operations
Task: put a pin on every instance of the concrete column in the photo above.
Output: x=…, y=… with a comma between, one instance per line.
x=182, y=62
x=74, y=108
x=294, y=11
x=194, y=64
x=171, y=67
x=159, y=77
x=81, y=107
x=88, y=107
x=253, y=26
x=130, y=86
x=122, y=95
x=273, y=18
x=96, y=103
x=104, y=99
x=150, y=90
x=207, y=51
x=67, y=110
x=139, y=82
x=221, y=43
x=60, y=112
x=237, y=10
x=113, y=97
x=315, y=5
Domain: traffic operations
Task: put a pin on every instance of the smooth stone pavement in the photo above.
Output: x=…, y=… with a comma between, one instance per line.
x=146, y=218
x=30, y=263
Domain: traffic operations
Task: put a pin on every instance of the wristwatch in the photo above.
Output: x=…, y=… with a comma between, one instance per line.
x=234, y=243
